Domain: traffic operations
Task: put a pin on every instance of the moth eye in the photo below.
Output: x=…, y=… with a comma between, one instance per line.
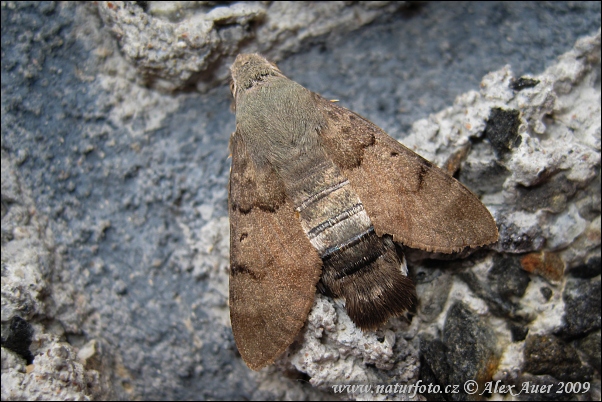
x=232, y=87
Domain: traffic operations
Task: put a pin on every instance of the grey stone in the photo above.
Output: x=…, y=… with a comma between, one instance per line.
x=590, y=346
x=590, y=269
x=128, y=186
x=471, y=344
x=465, y=352
x=37, y=363
x=519, y=239
x=551, y=195
x=483, y=177
x=433, y=290
x=519, y=332
x=546, y=292
x=434, y=368
x=540, y=388
x=498, y=305
x=582, y=307
x=550, y=355
x=507, y=278
x=180, y=44
x=332, y=350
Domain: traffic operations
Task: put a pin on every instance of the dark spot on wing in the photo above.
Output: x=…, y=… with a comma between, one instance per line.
x=244, y=270
x=423, y=171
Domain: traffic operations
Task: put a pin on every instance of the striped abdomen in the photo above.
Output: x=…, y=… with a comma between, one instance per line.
x=358, y=266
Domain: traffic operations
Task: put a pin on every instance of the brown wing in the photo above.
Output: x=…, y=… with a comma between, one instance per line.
x=405, y=195
x=273, y=266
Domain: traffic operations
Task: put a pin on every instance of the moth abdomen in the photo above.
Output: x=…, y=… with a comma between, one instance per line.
x=358, y=252
x=358, y=265
x=331, y=222
x=377, y=291
x=367, y=273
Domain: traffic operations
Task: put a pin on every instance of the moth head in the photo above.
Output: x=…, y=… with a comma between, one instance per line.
x=250, y=69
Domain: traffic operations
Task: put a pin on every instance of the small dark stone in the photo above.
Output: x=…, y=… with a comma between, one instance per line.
x=522, y=83
x=433, y=290
x=143, y=5
x=497, y=305
x=502, y=130
x=546, y=354
x=590, y=346
x=120, y=287
x=514, y=240
x=539, y=388
x=507, y=277
x=471, y=346
x=550, y=194
x=481, y=178
x=582, y=307
x=18, y=338
x=546, y=292
x=519, y=332
x=467, y=351
x=433, y=366
x=590, y=269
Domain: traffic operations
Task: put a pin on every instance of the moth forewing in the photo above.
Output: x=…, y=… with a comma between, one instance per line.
x=405, y=195
x=273, y=267
x=318, y=190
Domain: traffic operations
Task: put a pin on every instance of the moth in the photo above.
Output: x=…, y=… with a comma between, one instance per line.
x=318, y=196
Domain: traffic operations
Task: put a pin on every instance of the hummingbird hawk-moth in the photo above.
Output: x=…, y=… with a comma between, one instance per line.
x=318, y=196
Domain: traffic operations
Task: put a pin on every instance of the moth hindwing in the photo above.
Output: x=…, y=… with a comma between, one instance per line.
x=318, y=193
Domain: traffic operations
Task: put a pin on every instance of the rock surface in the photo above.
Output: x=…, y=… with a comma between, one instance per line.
x=115, y=249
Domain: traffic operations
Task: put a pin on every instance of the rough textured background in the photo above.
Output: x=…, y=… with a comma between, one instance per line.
x=114, y=173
